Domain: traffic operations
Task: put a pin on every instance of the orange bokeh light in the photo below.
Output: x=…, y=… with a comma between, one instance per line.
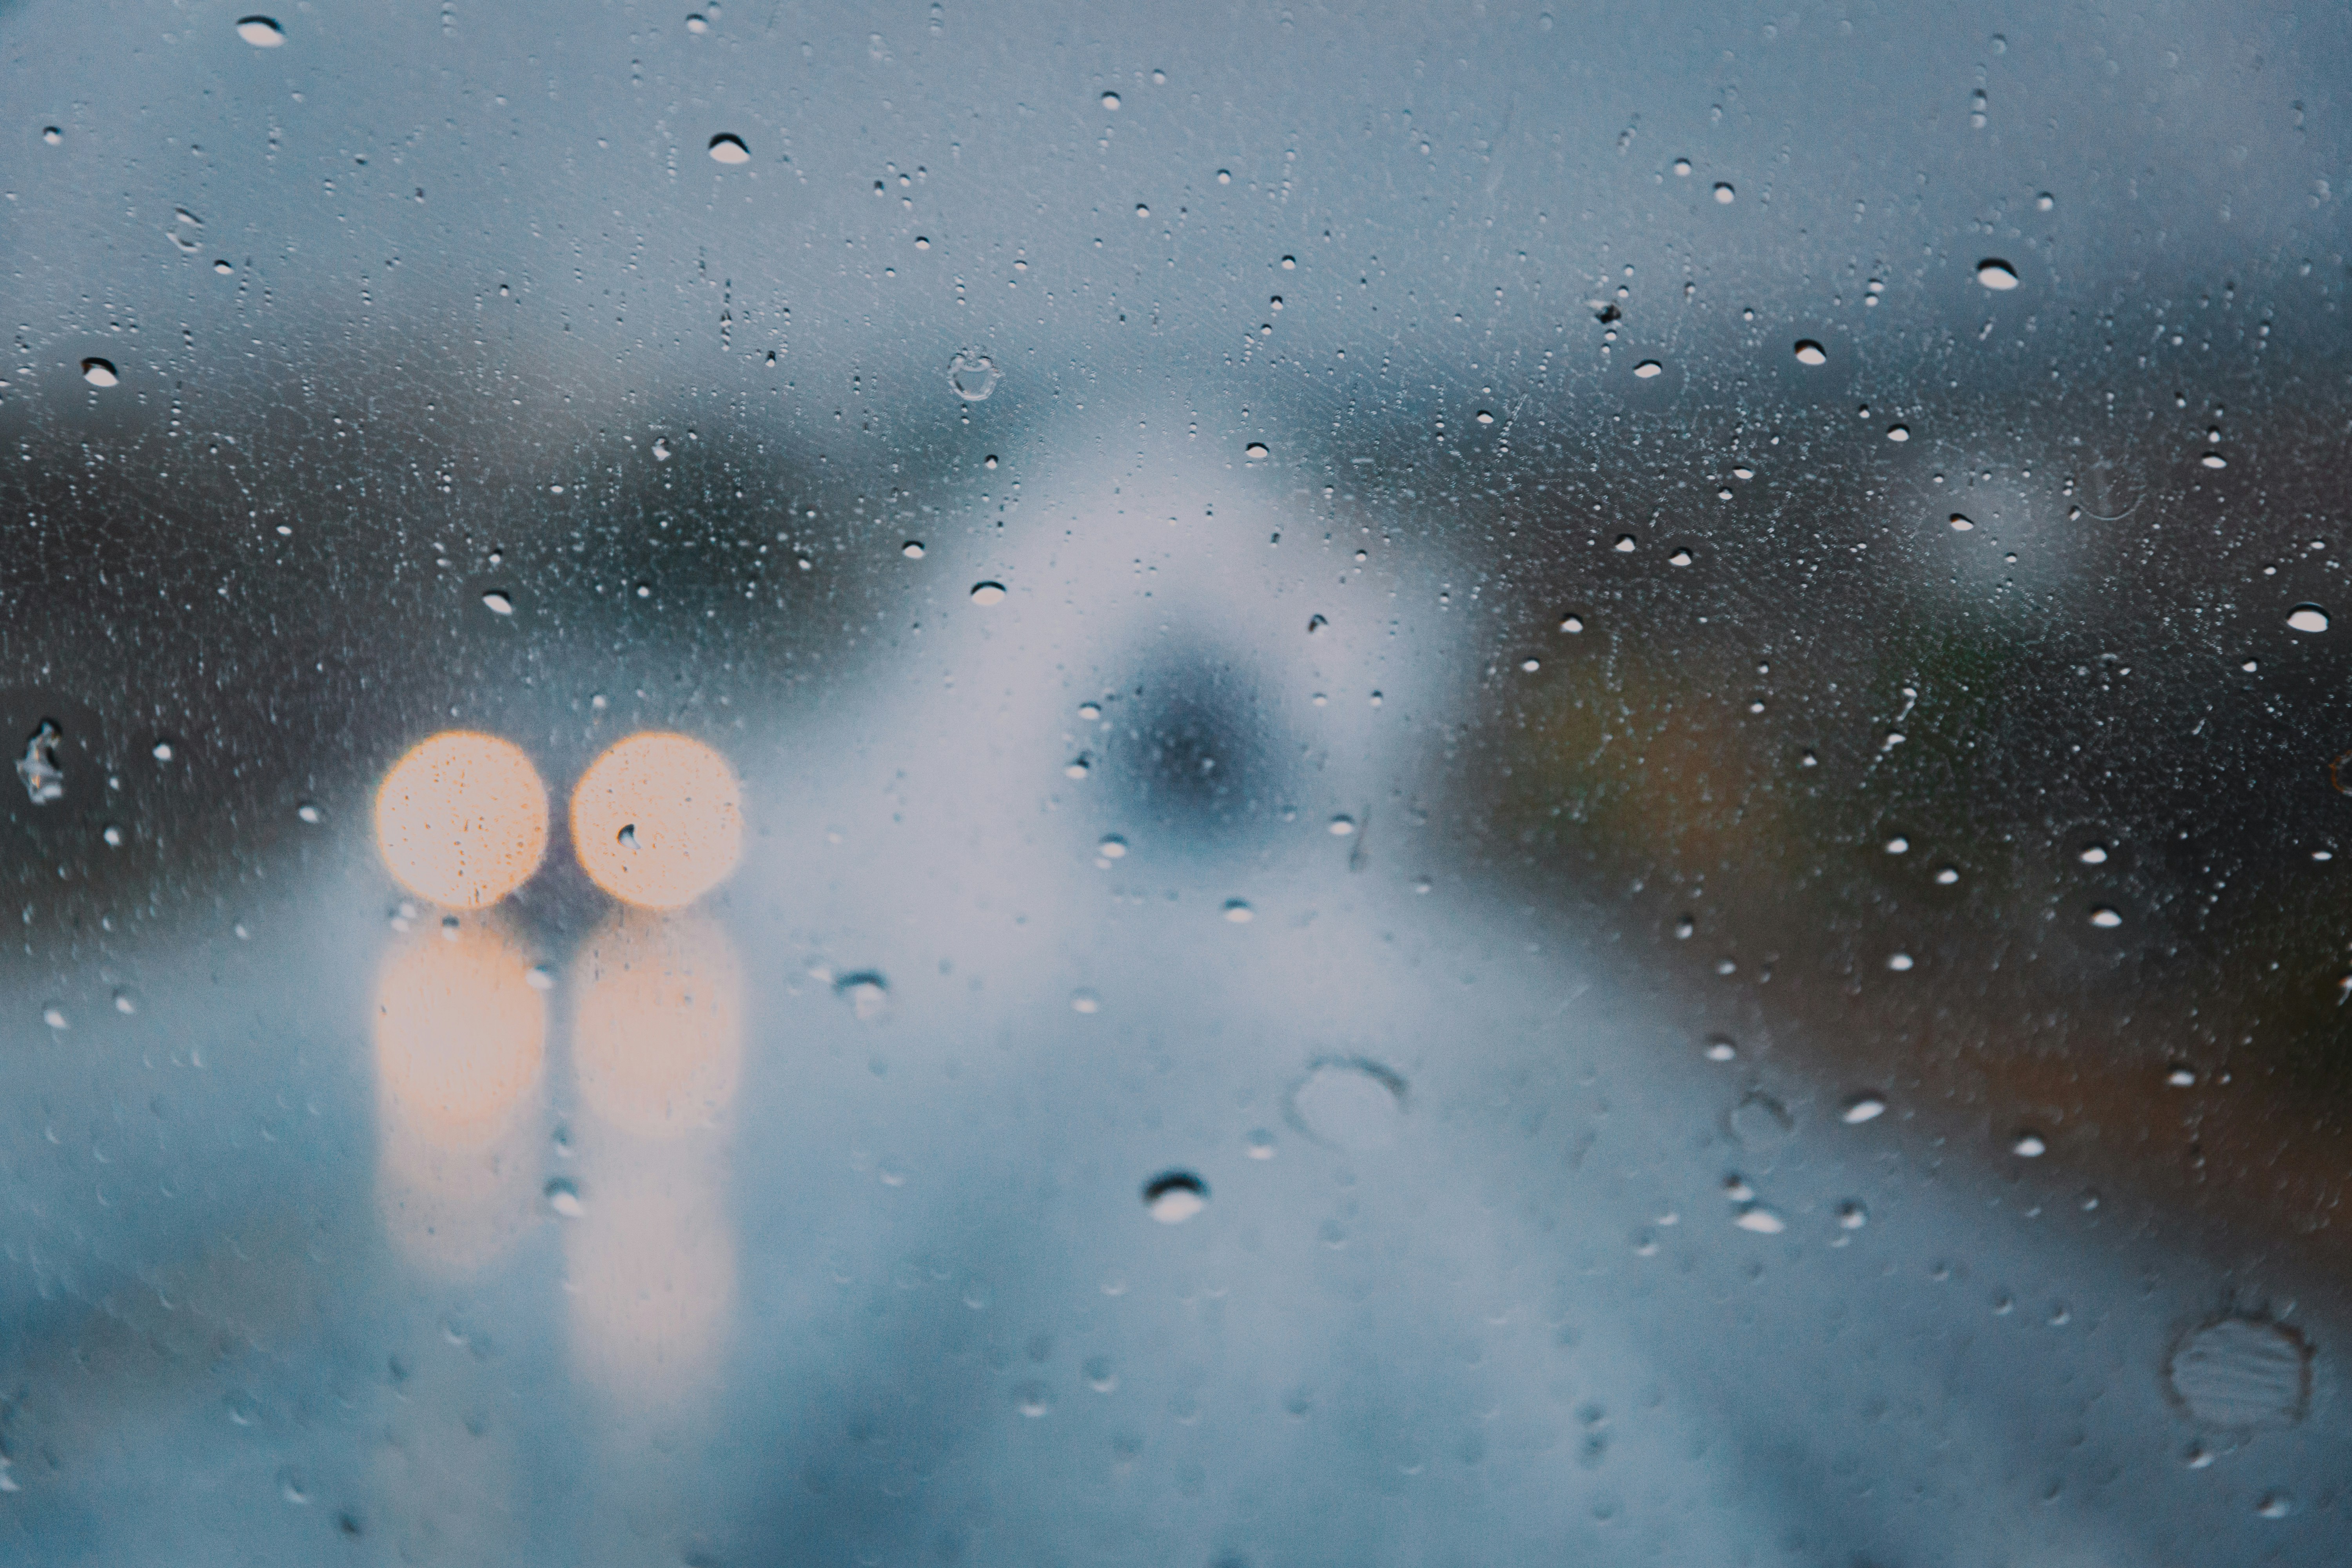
x=461, y=820
x=658, y=820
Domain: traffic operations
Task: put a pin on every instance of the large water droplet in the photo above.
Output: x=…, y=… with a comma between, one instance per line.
x=100, y=372
x=1175, y=1196
x=988, y=593
x=261, y=32
x=726, y=149
x=1648, y=368
x=1996, y=275
x=972, y=376
x=1811, y=352
x=1357, y=1105
x=497, y=604
x=2307, y=618
x=2241, y=1372
x=1255, y=451
x=45, y=781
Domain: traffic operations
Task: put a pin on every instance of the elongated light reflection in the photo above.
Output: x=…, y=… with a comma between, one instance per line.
x=460, y=1041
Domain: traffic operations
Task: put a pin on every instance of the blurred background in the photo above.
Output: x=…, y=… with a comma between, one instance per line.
x=1270, y=786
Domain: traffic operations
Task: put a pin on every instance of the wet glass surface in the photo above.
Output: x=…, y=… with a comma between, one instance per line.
x=1277, y=786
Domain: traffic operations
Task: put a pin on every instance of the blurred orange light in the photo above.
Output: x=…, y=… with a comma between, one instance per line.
x=657, y=1035
x=462, y=819
x=658, y=820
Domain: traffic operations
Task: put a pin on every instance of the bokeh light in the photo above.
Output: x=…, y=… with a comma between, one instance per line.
x=461, y=820
x=658, y=820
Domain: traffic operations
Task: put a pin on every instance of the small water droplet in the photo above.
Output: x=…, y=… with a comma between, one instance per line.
x=1852, y=1214
x=1648, y=368
x=292, y=1486
x=564, y=1198
x=100, y=372
x=55, y=1017
x=1255, y=451
x=2181, y=1078
x=698, y=24
x=2214, y=460
x=988, y=594
x=1725, y=193
x=628, y=836
x=1110, y=100
x=912, y=550
x=1960, y=524
x=52, y=134
x=540, y=977
x=1760, y=1220
x=866, y=992
x=1354, y=1104
x=1224, y=176
x=2045, y=202
x=261, y=32
x=1175, y=1196
x=1811, y=352
x=1259, y=1145
x=2028, y=1146
x=1681, y=168
x=1862, y=1108
x=1571, y=624
x=1032, y=1399
x=1085, y=1002
x=1341, y=826
x=497, y=604
x=1898, y=961
x=661, y=450
x=1239, y=912
x=2093, y=855
x=2307, y=618
x=2105, y=919
x=972, y=376
x=729, y=149
x=1719, y=1049
x=1485, y=417
x=1898, y=433
x=1996, y=275
x=2275, y=1505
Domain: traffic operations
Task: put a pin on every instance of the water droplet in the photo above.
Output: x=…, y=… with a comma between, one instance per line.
x=2275, y=1505
x=2093, y=855
x=1947, y=875
x=44, y=779
x=1529, y=666
x=1648, y=368
x=540, y=977
x=1898, y=845
x=1898, y=961
x=1681, y=168
x=1110, y=100
x=1761, y=1122
x=866, y=992
x=292, y=1488
x=1760, y=1220
x=2307, y=618
x=52, y=134
x=261, y=32
x=1960, y=524
x=564, y=1198
x=1356, y=1105
x=988, y=594
x=113, y=837
x=1085, y=1002
x=1571, y=624
x=1720, y=1049
x=1224, y=176
x=2214, y=460
x=100, y=372
x=2105, y=919
x=1099, y=1375
x=1864, y=1108
x=1078, y=767
x=1032, y=1399
x=2181, y=1078
x=2028, y=1146
x=126, y=1003
x=1239, y=912
x=55, y=1017
x=698, y=24
x=1811, y=352
x=2241, y=1372
x=1624, y=545
x=1255, y=451
x=1341, y=826
x=497, y=604
x=1175, y=1196
x=1996, y=275
x=972, y=376
x=912, y=550
x=729, y=149
x=1852, y=1215
x=1898, y=433
x=2045, y=202
x=1485, y=417
x=1679, y=558
x=1112, y=847
x=1259, y=1145
x=661, y=450
x=1290, y=263
x=627, y=838
x=1724, y=194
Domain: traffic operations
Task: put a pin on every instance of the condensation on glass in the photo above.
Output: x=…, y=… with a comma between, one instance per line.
x=982, y=785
